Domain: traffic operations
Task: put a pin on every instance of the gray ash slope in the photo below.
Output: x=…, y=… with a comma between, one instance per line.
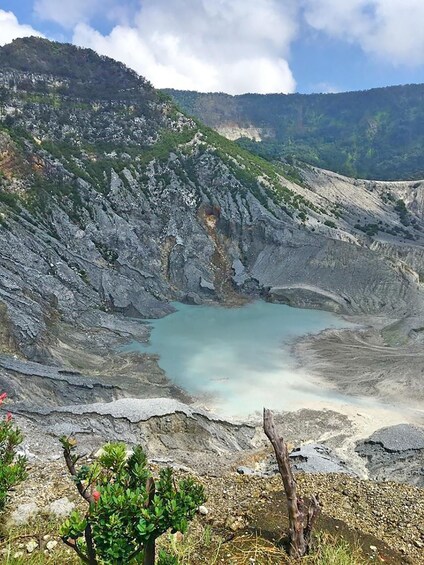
x=113, y=203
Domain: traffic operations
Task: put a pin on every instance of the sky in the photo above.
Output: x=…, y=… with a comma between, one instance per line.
x=239, y=46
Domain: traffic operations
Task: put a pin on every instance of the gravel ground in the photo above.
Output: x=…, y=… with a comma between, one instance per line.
x=385, y=518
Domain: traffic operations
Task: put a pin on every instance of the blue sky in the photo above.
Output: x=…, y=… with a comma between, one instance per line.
x=239, y=46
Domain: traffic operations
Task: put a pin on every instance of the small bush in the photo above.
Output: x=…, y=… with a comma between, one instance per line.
x=12, y=467
x=127, y=510
x=330, y=224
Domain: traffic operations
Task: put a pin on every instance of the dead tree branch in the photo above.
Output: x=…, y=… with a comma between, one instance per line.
x=299, y=531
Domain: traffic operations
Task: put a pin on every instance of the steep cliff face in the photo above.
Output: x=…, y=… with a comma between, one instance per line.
x=113, y=202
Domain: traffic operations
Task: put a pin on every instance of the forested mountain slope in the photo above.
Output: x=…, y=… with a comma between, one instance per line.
x=373, y=134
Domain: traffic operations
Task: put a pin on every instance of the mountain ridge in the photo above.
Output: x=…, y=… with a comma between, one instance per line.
x=374, y=134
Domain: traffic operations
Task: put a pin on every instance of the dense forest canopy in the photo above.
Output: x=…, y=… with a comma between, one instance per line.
x=376, y=134
x=85, y=74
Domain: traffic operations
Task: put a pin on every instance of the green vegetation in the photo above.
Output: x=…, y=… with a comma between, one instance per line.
x=10, y=199
x=260, y=176
x=109, y=255
x=331, y=551
x=330, y=224
x=168, y=142
x=127, y=510
x=44, y=191
x=403, y=212
x=376, y=134
x=369, y=229
x=201, y=544
x=95, y=132
x=12, y=467
x=87, y=75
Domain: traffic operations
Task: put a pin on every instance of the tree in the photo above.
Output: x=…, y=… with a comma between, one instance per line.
x=301, y=518
x=127, y=510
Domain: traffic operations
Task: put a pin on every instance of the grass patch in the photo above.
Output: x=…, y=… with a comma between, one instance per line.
x=336, y=551
x=14, y=542
x=202, y=544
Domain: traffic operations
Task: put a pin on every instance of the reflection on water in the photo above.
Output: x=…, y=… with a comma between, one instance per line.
x=234, y=358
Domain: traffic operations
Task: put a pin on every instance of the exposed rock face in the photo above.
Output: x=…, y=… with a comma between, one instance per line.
x=234, y=132
x=395, y=452
x=165, y=428
x=316, y=458
x=119, y=203
x=113, y=204
x=308, y=458
x=45, y=385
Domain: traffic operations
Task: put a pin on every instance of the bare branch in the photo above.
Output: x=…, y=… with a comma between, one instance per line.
x=300, y=534
x=74, y=546
x=70, y=463
x=313, y=513
x=90, y=545
x=149, y=546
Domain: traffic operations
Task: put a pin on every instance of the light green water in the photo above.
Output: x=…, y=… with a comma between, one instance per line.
x=237, y=360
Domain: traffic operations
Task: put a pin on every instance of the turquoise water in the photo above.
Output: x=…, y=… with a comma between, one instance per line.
x=237, y=360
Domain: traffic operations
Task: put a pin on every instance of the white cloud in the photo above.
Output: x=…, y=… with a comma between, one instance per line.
x=10, y=28
x=229, y=45
x=68, y=13
x=208, y=45
x=388, y=29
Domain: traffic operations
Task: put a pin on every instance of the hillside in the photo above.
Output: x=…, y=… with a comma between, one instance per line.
x=113, y=198
x=114, y=204
x=374, y=134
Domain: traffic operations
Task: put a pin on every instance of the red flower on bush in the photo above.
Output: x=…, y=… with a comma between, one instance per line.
x=3, y=397
x=96, y=495
x=8, y=417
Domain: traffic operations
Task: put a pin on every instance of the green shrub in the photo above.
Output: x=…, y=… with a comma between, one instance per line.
x=127, y=510
x=402, y=210
x=369, y=229
x=10, y=199
x=12, y=467
x=330, y=224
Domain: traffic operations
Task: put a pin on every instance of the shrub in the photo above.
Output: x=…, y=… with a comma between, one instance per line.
x=127, y=510
x=12, y=467
x=402, y=210
x=330, y=224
